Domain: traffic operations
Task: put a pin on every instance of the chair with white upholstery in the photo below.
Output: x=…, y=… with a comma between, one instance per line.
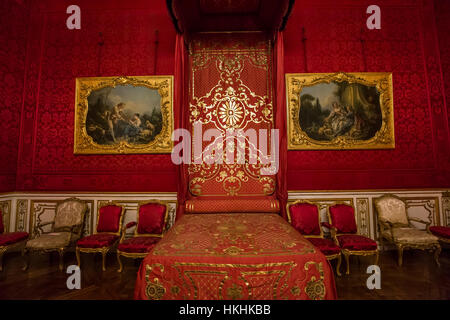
x=66, y=228
x=396, y=228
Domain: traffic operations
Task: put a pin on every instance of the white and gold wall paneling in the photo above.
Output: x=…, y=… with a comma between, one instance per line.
x=5, y=208
x=429, y=205
x=25, y=211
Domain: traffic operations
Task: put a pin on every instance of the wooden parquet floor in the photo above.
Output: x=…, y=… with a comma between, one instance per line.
x=418, y=278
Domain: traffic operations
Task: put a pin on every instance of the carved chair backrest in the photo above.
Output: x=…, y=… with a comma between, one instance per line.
x=391, y=209
x=70, y=215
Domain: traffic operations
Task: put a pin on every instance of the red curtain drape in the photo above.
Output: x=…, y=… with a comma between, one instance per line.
x=280, y=122
x=181, y=112
x=230, y=73
x=181, y=100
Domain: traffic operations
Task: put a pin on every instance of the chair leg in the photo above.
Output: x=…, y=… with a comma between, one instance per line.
x=436, y=255
x=377, y=257
x=61, y=259
x=347, y=261
x=104, y=252
x=26, y=259
x=77, y=253
x=400, y=255
x=120, y=262
x=338, y=266
x=2, y=252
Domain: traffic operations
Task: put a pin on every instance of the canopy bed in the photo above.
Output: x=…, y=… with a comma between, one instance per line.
x=234, y=256
x=231, y=239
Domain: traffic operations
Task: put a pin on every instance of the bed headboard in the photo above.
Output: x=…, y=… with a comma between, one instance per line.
x=230, y=91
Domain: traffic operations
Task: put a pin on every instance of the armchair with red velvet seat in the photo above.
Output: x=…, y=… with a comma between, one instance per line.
x=10, y=240
x=107, y=234
x=344, y=231
x=150, y=227
x=305, y=218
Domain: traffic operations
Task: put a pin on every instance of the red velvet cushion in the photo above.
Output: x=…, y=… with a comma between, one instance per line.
x=355, y=242
x=12, y=237
x=326, y=246
x=305, y=218
x=443, y=232
x=151, y=218
x=138, y=244
x=343, y=218
x=2, y=227
x=97, y=241
x=109, y=220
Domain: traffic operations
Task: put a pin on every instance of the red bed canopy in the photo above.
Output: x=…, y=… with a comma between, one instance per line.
x=241, y=40
x=229, y=15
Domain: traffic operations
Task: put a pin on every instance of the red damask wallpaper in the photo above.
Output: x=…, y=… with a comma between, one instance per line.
x=42, y=59
x=442, y=10
x=331, y=36
x=55, y=57
x=13, y=34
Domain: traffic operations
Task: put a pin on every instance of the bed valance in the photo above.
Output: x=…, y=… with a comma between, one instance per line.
x=227, y=205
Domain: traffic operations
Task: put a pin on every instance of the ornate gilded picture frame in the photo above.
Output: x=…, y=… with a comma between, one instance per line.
x=123, y=115
x=340, y=111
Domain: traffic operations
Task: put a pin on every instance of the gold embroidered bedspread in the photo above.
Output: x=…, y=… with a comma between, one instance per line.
x=234, y=256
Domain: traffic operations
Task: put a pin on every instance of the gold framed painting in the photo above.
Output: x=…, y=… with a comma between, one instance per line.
x=340, y=111
x=123, y=115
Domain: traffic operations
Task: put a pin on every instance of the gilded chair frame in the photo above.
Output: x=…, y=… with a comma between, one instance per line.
x=139, y=255
x=19, y=246
x=321, y=236
x=78, y=230
x=103, y=250
x=401, y=246
x=10, y=247
x=334, y=234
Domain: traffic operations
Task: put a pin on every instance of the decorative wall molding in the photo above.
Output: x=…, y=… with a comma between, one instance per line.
x=431, y=205
x=26, y=210
x=363, y=216
x=21, y=214
x=5, y=207
x=446, y=208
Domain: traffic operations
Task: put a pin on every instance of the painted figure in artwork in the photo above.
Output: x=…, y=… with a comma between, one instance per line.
x=331, y=110
x=338, y=122
x=124, y=113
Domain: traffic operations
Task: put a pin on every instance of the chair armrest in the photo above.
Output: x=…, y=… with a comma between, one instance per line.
x=37, y=230
x=127, y=226
x=327, y=225
x=333, y=229
x=386, y=225
x=419, y=220
x=426, y=223
x=130, y=224
x=77, y=229
x=45, y=224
